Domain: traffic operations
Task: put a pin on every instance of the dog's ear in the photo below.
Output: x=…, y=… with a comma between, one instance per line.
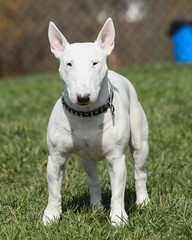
x=106, y=37
x=56, y=39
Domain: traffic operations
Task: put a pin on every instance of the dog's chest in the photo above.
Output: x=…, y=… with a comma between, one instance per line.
x=87, y=143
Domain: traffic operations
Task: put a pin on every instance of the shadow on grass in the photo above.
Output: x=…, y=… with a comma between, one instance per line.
x=80, y=202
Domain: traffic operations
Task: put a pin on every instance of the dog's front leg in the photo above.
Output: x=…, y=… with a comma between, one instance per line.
x=55, y=172
x=118, y=175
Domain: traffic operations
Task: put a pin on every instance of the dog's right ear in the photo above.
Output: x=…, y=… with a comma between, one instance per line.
x=57, y=41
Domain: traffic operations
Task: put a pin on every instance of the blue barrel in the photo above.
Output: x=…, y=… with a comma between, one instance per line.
x=182, y=44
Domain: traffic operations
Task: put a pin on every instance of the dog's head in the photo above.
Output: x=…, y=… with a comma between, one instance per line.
x=83, y=66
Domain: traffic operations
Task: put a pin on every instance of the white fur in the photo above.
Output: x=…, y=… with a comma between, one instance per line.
x=83, y=69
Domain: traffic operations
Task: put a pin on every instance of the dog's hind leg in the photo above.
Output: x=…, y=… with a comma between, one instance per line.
x=139, y=149
x=55, y=172
x=90, y=168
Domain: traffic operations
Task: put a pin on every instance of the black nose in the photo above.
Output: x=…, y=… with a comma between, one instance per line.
x=83, y=98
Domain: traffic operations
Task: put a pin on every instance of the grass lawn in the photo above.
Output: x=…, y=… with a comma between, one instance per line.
x=165, y=92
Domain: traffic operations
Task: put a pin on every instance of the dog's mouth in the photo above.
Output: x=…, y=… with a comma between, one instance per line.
x=83, y=104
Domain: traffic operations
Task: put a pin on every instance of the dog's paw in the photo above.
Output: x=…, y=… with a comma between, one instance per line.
x=50, y=216
x=97, y=206
x=118, y=218
x=143, y=201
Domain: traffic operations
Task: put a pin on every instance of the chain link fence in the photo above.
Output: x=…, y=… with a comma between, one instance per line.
x=142, y=30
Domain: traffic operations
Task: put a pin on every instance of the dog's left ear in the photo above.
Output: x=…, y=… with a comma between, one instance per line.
x=106, y=37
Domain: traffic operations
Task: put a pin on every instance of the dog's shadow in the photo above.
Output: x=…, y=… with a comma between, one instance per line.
x=80, y=202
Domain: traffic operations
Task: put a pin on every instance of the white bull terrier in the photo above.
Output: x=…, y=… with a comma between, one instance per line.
x=97, y=116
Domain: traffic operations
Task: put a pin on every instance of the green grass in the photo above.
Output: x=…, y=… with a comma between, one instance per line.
x=165, y=92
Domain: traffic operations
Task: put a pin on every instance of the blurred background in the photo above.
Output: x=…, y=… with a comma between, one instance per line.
x=147, y=31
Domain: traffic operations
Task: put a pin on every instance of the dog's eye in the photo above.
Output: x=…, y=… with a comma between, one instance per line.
x=69, y=64
x=95, y=63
